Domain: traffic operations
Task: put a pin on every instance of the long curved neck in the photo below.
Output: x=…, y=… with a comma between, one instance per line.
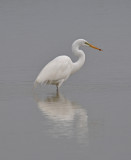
x=81, y=58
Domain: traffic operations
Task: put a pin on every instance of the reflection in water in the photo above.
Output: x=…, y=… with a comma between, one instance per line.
x=65, y=117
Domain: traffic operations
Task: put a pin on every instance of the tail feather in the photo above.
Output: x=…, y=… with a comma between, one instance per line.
x=35, y=84
x=38, y=81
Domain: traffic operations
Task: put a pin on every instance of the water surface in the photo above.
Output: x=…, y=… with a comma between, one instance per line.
x=90, y=116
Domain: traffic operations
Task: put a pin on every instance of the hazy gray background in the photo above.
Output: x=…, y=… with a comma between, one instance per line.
x=91, y=118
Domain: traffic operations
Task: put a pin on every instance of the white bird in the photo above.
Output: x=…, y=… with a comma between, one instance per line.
x=59, y=69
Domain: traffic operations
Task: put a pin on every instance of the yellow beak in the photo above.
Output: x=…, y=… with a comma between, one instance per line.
x=90, y=45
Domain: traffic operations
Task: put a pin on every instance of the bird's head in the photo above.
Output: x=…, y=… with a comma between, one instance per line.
x=82, y=42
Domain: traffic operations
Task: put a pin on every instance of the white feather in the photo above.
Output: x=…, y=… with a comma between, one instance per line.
x=60, y=68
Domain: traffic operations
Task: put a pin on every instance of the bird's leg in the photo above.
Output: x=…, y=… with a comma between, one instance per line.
x=57, y=91
x=57, y=88
x=59, y=84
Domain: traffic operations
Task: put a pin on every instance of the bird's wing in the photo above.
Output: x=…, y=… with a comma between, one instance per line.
x=58, y=69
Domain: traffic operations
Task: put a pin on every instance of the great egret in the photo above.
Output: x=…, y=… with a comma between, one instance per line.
x=59, y=69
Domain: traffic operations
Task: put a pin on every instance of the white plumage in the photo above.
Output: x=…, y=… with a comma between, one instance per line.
x=55, y=71
x=59, y=69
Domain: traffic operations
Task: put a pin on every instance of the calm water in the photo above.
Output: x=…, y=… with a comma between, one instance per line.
x=90, y=117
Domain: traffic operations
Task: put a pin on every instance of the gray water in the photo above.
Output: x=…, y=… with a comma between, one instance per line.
x=90, y=118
